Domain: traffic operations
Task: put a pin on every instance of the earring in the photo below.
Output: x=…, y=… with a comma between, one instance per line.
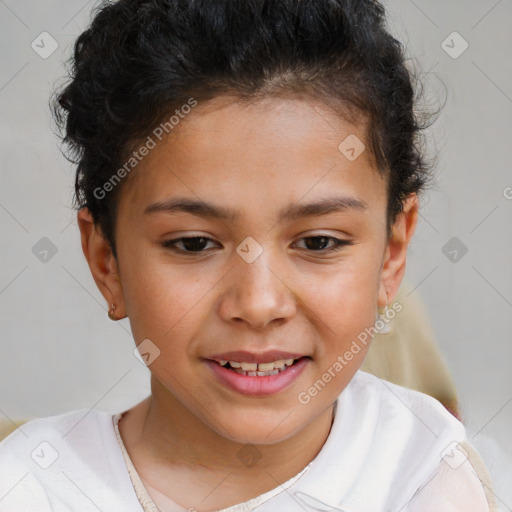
x=111, y=313
x=381, y=326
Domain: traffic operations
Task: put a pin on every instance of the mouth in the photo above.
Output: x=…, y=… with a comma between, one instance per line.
x=258, y=379
x=260, y=369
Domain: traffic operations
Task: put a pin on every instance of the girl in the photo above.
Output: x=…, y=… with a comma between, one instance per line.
x=248, y=181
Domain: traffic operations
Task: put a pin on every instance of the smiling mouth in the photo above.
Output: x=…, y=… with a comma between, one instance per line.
x=260, y=369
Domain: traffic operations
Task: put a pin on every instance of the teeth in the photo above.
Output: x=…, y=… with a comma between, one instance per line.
x=265, y=367
x=261, y=369
x=249, y=366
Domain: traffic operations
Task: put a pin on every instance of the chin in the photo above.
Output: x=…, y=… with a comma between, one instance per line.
x=260, y=428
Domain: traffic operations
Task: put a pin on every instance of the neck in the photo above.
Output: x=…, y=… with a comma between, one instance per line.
x=177, y=436
x=165, y=439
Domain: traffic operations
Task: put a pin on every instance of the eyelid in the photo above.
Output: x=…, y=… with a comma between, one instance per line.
x=171, y=243
x=339, y=243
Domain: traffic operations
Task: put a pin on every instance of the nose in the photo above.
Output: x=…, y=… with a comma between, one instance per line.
x=258, y=293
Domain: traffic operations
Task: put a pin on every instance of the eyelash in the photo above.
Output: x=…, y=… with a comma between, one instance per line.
x=338, y=244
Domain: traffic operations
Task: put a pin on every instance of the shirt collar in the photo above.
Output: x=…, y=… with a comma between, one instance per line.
x=380, y=433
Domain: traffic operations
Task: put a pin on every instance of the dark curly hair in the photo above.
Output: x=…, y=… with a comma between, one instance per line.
x=139, y=60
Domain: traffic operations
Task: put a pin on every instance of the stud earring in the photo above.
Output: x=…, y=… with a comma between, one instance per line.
x=111, y=313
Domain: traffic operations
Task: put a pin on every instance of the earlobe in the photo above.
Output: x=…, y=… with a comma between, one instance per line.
x=393, y=268
x=101, y=260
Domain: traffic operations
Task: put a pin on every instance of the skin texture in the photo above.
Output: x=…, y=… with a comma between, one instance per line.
x=256, y=158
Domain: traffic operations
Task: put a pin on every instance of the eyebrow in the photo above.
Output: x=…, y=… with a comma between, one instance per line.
x=290, y=213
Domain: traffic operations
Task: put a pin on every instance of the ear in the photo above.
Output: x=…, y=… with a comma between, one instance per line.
x=101, y=261
x=393, y=267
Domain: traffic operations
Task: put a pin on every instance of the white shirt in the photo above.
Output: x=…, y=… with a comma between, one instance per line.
x=390, y=449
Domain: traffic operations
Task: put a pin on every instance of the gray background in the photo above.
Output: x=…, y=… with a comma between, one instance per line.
x=59, y=350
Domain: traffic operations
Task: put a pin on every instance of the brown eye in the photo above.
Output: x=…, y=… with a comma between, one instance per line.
x=321, y=241
x=191, y=245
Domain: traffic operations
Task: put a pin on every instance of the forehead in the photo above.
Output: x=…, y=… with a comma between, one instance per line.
x=264, y=153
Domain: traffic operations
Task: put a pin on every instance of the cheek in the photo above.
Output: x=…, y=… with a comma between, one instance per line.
x=350, y=292
x=164, y=302
x=345, y=304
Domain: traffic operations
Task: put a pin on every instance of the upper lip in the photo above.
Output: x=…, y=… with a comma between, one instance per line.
x=254, y=357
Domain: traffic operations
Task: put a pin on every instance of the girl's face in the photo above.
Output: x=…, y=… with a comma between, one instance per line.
x=268, y=194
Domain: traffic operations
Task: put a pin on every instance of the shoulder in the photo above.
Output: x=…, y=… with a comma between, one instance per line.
x=400, y=409
x=454, y=487
x=445, y=472
x=24, y=439
x=407, y=435
x=52, y=460
x=40, y=442
x=398, y=404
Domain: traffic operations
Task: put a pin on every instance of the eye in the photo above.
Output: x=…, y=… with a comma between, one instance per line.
x=196, y=244
x=321, y=240
x=191, y=245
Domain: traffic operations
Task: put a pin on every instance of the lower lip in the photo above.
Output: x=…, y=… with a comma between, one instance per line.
x=258, y=386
